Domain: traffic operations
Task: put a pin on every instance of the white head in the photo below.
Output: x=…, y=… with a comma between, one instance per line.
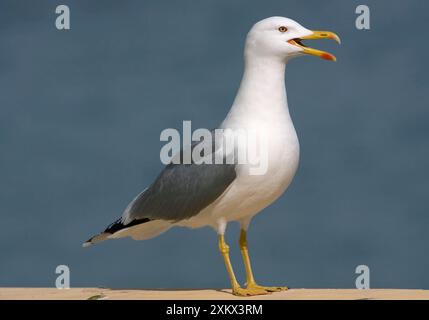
x=279, y=37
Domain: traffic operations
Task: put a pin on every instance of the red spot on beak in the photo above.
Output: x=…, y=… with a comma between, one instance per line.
x=328, y=56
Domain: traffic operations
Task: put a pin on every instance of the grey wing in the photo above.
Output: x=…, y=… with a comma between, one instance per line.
x=181, y=191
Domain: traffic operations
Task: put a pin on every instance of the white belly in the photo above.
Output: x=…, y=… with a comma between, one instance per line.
x=249, y=193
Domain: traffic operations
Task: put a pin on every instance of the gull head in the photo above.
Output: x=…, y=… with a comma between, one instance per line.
x=283, y=38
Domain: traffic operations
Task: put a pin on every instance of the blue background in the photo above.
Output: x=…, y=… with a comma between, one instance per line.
x=81, y=112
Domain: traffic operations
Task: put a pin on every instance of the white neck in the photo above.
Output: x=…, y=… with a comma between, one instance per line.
x=262, y=92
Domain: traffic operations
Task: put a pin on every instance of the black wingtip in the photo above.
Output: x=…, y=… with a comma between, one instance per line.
x=119, y=225
x=111, y=229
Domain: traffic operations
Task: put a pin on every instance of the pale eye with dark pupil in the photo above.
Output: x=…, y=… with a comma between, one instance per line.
x=282, y=29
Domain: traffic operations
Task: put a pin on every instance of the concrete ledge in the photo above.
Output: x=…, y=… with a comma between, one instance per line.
x=206, y=294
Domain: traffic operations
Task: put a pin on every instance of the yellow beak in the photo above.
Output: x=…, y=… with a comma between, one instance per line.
x=315, y=52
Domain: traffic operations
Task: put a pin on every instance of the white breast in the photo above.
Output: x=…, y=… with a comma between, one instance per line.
x=250, y=193
x=261, y=107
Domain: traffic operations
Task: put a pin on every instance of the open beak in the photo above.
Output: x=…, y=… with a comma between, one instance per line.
x=316, y=35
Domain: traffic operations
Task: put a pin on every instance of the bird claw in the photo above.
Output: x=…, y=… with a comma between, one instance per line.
x=255, y=290
x=268, y=289
x=247, y=292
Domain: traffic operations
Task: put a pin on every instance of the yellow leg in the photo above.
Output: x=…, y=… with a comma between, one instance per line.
x=236, y=289
x=250, y=280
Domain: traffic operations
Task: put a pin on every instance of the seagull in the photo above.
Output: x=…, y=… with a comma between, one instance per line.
x=195, y=194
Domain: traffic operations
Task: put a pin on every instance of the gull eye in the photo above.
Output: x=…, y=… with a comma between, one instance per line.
x=282, y=29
